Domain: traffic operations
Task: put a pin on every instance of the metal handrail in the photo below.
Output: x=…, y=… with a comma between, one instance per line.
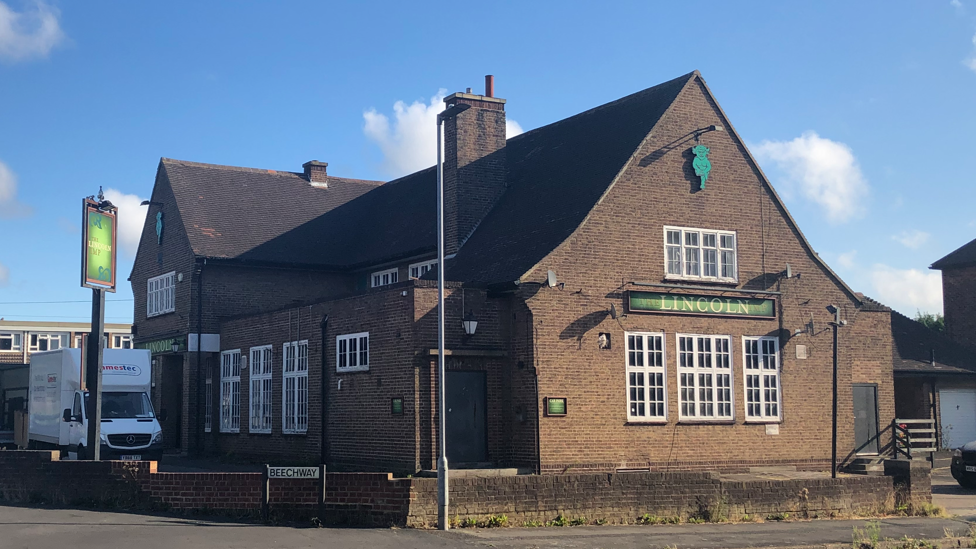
x=913, y=436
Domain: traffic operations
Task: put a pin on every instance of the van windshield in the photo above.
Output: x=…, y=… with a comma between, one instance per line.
x=124, y=405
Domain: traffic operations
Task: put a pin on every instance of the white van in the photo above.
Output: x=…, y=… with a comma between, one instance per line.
x=129, y=428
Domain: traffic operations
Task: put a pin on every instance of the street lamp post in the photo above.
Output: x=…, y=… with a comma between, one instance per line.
x=443, y=517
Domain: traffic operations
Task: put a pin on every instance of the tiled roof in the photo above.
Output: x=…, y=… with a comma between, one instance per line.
x=914, y=344
x=228, y=211
x=963, y=256
x=570, y=163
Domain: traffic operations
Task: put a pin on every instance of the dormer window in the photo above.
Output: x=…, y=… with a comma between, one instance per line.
x=382, y=278
x=700, y=254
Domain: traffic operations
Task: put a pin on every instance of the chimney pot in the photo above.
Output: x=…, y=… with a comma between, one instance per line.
x=316, y=172
x=489, y=85
x=467, y=90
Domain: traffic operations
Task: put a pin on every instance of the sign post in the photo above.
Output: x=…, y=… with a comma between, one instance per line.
x=99, y=231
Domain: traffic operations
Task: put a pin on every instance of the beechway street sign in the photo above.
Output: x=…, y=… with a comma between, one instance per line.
x=293, y=472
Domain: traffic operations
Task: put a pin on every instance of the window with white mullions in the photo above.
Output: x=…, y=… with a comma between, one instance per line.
x=230, y=391
x=645, y=377
x=761, y=375
x=705, y=377
x=699, y=254
x=352, y=352
x=161, y=294
x=383, y=278
x=260, y=395
x=295, y=387
x=418, y=270
x=10, y=341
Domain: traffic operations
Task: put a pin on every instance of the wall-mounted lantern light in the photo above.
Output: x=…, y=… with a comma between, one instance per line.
x=470, y=324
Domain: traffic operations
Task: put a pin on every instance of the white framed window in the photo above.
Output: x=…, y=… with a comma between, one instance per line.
x=418, y=270
x=700, y=254
x=259, y=397
x=382, y=278
x=230, y=391
x=48, y=342
x=761, y=378
x=295, y=387
x=352, y=352
x=11, y=341
x=646, y=390
x=161, y=294
x=77, y=343
x=704, y=377
x=208, y=396
x=121, y=341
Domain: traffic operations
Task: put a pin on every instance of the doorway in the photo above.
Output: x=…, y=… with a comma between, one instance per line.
x=866, y=439
x=171, y=400
x=466, y=399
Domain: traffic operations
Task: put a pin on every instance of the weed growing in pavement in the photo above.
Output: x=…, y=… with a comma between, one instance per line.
x=496, y=521
x=578, y=521
x=600, y=521
x=868, y=537
x=533, y=524
x=653, y=519
x=912, y=543
x=558, y=521
x=778, y=516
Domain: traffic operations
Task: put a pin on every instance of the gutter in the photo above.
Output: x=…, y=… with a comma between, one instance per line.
x=201, y=381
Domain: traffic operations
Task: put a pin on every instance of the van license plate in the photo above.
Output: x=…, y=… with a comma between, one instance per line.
x=131, y=457
x=971, y=468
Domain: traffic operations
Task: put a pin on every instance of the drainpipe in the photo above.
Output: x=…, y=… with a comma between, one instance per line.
x=324, y=442
x=201, y=382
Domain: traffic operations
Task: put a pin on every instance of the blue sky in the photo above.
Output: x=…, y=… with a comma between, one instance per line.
x=861, y=113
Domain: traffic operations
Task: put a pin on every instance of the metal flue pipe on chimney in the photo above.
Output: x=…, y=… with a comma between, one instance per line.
x=489, y=85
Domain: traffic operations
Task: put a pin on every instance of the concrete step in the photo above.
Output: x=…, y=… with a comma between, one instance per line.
x=479, y=473
x=872, y=466
x=774, y=469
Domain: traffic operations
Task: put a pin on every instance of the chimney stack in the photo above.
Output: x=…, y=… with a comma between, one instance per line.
x=474, y=163
x=316, y=172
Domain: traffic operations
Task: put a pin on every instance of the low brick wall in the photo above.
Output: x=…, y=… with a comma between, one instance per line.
x=378, y=499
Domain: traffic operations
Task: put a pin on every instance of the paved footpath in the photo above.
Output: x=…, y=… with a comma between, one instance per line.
x=30, y=528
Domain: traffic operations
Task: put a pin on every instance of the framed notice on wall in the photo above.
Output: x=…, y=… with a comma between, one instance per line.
x=555, y=406
x=99, y=231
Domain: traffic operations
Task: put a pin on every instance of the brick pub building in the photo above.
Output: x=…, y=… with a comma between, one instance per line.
x=634, y=309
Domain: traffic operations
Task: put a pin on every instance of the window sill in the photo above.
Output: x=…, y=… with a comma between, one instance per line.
x=351, y=370
x=12, y=351
x=294, y=433
x=706, y=421
x=716, y=281
x=230, y=432
x=148, y=316
x=763, y=421
x=649, y=422
x=258, y=432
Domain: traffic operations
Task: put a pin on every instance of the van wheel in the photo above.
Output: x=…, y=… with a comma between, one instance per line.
x=81, y=453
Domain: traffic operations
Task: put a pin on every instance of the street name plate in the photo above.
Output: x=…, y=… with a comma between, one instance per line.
x=293, y=472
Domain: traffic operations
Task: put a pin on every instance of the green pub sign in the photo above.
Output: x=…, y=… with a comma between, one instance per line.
x=694, y=304
x=98, y=247
x=556, y=406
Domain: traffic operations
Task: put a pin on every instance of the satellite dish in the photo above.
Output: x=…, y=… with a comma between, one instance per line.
x=613, y=311
x=789, y=271
x=551, y=279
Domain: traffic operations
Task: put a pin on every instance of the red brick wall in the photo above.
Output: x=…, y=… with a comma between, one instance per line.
x=958, y=302
x=621, y=241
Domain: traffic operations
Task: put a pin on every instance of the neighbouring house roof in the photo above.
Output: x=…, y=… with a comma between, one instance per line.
x=913, y=346
x=961, y=257
x=228, y=211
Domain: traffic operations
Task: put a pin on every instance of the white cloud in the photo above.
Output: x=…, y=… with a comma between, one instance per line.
x=512, y=128
x=409, y=142
x=907, y=290
x=912, y=239
x=29, y=34
x=823, y=171
x=956, y=4
x=971, y=62
x=10, y=207
x=4, y=275
x=132, y=218
x=846, y=259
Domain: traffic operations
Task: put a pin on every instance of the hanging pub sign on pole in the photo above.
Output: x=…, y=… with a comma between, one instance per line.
x=100, y=224
x=98, y=236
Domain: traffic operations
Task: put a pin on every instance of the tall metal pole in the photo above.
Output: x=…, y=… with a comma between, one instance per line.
x=443, y=517
x=93, y=374
x=833, y=431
